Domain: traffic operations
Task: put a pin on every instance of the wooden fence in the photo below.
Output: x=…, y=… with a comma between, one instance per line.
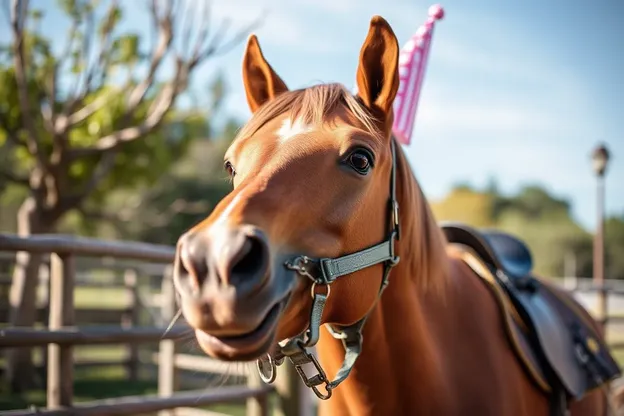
x=69, y=326
x=606, y=304
x=62, y=335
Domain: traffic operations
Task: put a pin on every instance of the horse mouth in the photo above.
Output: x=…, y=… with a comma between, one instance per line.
x=244, y=347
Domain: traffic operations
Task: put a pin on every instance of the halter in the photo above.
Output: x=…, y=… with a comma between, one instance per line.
x=323, y=272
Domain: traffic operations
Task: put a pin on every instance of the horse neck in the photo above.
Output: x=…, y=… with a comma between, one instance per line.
x=399, y=347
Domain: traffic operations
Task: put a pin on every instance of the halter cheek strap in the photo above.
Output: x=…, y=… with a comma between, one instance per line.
x=323, y=272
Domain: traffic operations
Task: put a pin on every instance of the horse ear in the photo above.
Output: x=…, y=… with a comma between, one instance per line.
x=261, y=82
x=377, y=73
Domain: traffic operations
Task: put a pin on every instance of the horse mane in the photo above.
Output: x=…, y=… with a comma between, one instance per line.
x=423, y=245
x=312, y=105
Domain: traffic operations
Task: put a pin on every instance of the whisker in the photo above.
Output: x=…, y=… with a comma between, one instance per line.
x=173, y=321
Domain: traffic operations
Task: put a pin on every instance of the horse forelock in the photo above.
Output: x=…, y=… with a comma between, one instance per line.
x=311, y=106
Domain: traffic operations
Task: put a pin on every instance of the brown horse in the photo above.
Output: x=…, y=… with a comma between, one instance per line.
x=312, y=173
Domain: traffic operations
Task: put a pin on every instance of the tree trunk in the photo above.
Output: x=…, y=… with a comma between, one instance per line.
x=23, y=296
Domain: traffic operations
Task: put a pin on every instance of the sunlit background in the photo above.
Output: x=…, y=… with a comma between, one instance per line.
x=516, y=97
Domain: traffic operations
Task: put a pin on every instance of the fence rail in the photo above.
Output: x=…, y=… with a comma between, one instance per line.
x=62, y=335
x=143, y=404
x=82, y=246
x=27, y=337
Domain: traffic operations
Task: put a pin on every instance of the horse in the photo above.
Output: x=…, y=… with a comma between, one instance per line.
x=310, y=248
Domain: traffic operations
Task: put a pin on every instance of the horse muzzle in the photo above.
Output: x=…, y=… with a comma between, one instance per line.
x=228, y=292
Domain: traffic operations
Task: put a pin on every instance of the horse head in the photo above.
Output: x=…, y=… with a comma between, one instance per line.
x=310, y=173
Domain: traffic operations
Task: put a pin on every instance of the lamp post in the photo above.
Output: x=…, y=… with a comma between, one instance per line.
x=600, y=159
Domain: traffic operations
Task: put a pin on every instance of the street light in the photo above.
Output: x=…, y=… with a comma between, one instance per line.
x=600, y=159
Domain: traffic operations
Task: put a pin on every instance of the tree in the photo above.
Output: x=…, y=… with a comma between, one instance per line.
x=614, y=247
x=464, y=204
x=540, y=219
x=161, y=212
x=98, y=115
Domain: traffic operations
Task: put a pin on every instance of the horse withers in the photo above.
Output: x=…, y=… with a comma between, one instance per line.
x=327, y=240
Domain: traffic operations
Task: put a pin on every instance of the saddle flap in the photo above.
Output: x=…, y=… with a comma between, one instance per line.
x=593, y=365
x=556, y=341
x=572, y=351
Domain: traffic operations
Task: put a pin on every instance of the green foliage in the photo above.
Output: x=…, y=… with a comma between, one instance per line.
x=614, y=247
x=465, y=205
x=540, y=219
x=161, y=212
x=82, y=86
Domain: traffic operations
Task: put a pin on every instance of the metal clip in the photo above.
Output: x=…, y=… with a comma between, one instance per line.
x=316, y=380
x=395, y=259
x=299, y=264
x=395, y=219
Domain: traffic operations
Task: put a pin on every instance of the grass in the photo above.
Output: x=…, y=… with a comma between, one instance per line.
x=89, y=384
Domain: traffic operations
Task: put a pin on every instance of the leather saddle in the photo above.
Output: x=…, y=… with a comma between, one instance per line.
x=554, y=337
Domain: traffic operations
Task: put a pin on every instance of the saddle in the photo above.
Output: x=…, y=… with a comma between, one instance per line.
x=555, y=339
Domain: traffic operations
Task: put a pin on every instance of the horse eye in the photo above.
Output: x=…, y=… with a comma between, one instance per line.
x=229, y=168
x=360, y=161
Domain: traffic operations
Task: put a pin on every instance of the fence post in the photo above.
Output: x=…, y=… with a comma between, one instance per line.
x=45, y=285
x=603, y=307
x=60, y=362
x=293, y=398
x=130, y=320
x=166, y=356
x=258, y=405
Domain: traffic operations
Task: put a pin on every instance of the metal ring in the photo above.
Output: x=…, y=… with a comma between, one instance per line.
x=269, y=374
x=313, y=291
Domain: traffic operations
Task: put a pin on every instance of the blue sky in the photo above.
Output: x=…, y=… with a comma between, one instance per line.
x=519, y=91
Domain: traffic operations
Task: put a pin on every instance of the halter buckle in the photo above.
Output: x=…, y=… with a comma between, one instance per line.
x=300, y=265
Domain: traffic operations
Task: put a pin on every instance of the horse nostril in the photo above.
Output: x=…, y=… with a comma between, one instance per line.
x=237, y=256
x=193, y=262
x=252, y=260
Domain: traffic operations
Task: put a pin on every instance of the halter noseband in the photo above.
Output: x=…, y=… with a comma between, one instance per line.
x=323, y=272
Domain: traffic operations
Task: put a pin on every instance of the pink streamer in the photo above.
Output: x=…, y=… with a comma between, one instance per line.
x=412, y=64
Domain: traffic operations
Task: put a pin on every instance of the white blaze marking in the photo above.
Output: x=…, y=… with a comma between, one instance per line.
x=222, y=219
x=288, y=129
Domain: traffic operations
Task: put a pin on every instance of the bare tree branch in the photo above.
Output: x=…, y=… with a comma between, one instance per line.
x=156, y=114
x=50, y=115
x=19, y=11
x=97, y=67
x=165, y=25
x=87, y=110
x=82, y=82
x=201, y=50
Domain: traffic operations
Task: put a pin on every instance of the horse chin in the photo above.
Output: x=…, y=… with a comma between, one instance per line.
x=280, y=322
x=243, y=347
